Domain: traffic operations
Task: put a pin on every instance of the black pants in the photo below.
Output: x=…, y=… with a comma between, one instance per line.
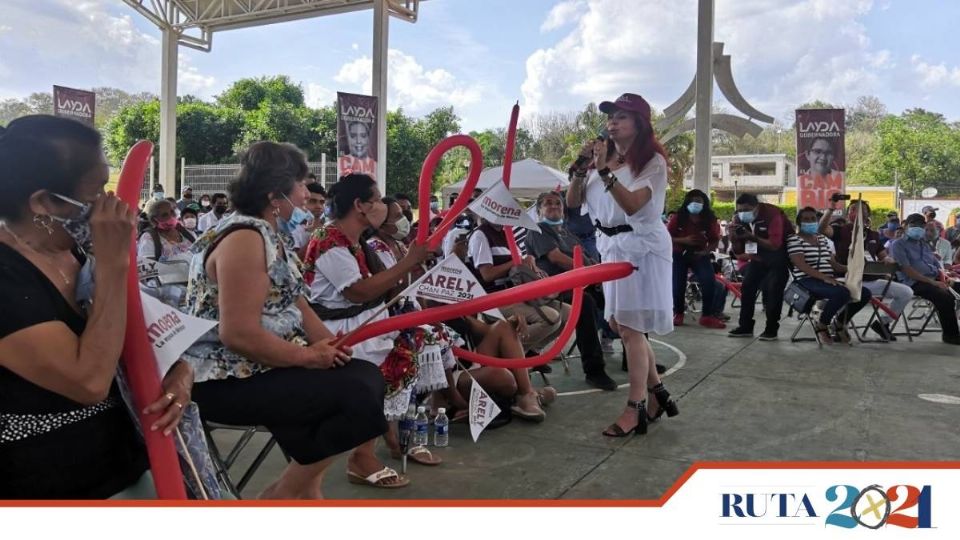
x=770, y=275
x=588, y=342
x=944, y=303
x=313, y=413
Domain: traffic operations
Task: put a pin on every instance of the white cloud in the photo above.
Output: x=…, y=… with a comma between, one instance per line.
x=411, y=86
x=784, y=52
x=190, y=80
x=562, y=14
x=934, y=75
x=319, y=96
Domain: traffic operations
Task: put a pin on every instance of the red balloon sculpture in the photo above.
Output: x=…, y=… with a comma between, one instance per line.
x=426, y=179
x=138, y=360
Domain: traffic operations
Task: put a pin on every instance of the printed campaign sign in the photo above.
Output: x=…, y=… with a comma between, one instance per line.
x=450, y=282
x=482, y=410
x=169, y=331
x=76, y=104
x=496, y=205
x=821, y=157
x=357, y=134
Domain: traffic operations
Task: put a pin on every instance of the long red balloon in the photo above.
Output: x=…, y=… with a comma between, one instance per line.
x=572, y=279
x=558, y=344
x=426, y=179
x=138, y=359
x=507, y=171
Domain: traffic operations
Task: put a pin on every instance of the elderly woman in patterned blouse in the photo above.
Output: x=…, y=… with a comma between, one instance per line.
x=272, y=362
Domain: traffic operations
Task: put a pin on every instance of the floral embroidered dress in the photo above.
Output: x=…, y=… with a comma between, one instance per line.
x=209, y=357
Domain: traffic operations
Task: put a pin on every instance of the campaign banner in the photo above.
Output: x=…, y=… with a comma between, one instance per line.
x=450, y=282
x=169, y=331
x=497, y=205
x=482, y=410
x=821, y=157
x=357, y=134
x=72, y=103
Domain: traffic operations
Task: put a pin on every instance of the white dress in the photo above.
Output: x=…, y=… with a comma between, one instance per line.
x=642, y=301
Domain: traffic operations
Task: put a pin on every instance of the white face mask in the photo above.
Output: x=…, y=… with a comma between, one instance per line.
x=190, y=223
x=403, y=228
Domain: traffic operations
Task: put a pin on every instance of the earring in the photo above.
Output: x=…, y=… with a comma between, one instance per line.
x=276, y=211
x=41, y=223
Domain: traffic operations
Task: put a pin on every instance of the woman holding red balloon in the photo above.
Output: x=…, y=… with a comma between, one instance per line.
x=625, y=195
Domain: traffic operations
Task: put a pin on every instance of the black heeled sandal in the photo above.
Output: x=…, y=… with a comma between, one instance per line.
x=640, y=429
x=666, y=404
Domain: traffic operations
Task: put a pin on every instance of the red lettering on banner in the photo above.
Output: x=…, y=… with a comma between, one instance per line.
x=500, y=209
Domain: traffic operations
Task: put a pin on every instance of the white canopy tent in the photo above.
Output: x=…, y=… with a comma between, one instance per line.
x=192, y=23
x=528, y=179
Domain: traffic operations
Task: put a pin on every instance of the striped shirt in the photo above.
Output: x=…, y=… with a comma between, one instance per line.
x=817, y=256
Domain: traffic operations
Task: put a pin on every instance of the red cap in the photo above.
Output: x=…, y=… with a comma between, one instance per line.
x=627, y=102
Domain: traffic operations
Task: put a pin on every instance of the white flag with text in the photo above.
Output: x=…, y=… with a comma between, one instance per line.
x=482, y=410
x=497, y=205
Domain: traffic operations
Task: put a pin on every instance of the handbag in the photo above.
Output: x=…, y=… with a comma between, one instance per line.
x=798, y=298
x=524, y=274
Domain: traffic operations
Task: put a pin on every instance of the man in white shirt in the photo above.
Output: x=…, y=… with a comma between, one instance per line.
x=214, y=216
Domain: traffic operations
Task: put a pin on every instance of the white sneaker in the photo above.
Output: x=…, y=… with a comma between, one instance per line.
x=606, y=345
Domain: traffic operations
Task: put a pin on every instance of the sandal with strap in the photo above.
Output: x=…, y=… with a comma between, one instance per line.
x=419, y=454
x=665, y=404
x=378, y=478
x=823, y=332
x=614, y=430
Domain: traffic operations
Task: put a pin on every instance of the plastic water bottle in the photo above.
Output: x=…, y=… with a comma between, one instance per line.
x=422, y=434
x=441, y=426
x=407, y=427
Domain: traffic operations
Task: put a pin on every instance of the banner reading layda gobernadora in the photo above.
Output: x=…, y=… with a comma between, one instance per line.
x=821, y=159
x=72, y=103
x=357, y=134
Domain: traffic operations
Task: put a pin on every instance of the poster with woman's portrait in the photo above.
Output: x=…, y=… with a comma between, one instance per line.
x=356, y=134
x=821, y=160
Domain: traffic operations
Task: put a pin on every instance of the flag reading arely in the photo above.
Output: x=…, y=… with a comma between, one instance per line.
x=496, y=205
x=482, y=410
x=450, y=282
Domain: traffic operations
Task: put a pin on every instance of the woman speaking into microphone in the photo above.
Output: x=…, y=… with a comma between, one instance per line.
x=625, y=195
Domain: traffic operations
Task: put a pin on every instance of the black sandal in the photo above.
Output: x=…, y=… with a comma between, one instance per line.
x=614, y=430
x=666, y=405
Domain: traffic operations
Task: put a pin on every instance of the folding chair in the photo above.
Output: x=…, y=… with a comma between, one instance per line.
x=805, y=318
x=223, y=464
x=693, y=295
x=879, y=270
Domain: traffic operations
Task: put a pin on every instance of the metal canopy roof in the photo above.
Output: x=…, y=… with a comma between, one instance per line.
x=195, y=21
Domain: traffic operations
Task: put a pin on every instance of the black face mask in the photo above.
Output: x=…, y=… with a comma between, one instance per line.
x=219, y=210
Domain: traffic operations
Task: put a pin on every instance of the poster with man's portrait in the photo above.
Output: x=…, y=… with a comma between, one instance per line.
x=356, y=134
x=821, y=160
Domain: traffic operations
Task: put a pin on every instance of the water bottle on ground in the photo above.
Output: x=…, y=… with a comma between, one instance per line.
x=407, y=428
x=441, y=426
x=422, y=434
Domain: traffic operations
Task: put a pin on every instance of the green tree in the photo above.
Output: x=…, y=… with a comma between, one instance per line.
x=249, y=94
x=130, y=124
x=207, y=133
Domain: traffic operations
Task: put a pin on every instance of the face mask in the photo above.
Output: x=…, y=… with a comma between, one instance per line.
x=552, y=221
x=297, y=218
x=190, y=223
x=205, y=204
x=746, y=217
x=158, y=195
x=167, y=224
x=403, y=228
x=809, y=228
x=930, y=235
x=377, y=214
x=695, y=208
x=219, y=210
x=915, y=233
x=79, y=227
x=435, y=206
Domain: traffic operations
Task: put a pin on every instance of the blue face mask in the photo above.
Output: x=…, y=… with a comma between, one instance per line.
x=746, y=217
x=297, y=218
x=78, y=227
x=695, y=208
x=434, y=205
x=809, y=228
x=914, y=233
x=552, y=221
x=158, y=195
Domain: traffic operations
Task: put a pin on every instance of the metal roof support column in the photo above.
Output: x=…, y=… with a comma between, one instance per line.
x=702, y=168
x=168, y=112
x=381, y=42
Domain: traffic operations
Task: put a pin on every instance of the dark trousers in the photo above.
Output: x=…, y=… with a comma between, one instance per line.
x=588, y=342
x=313, y=413
x=837, y=297
x=719, y=297
x=944, y=302
x=703, y=269
x=770, y=275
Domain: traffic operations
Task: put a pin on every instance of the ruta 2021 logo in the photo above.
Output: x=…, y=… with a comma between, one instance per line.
x=871, y=507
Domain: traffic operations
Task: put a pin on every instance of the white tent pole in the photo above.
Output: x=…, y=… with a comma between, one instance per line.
x=168, y=111
x=381, y=42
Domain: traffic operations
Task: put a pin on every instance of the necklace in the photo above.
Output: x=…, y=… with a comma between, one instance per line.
x=621, y=158
x=66, y=280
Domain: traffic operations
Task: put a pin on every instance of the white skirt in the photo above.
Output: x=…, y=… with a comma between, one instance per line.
x=642, y=301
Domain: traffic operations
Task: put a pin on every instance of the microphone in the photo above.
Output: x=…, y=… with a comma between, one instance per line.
x=582, y=161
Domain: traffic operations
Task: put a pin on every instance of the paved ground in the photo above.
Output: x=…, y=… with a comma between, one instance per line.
x=739, y=400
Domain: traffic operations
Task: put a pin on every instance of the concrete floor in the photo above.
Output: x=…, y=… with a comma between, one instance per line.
x=739, y=400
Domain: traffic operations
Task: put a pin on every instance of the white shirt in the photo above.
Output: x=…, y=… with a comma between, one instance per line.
x=480, y=252
x=209, y=221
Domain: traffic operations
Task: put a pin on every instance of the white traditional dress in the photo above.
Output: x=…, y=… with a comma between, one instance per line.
x=642, y=301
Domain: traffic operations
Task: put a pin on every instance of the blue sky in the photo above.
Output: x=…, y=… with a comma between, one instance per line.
x=551, y=55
